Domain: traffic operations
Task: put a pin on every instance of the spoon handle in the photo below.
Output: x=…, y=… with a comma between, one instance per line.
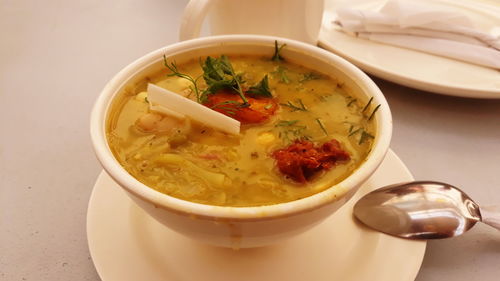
x=491, y=216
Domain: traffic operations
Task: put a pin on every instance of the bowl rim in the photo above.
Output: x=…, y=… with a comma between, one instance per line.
x=188, y=208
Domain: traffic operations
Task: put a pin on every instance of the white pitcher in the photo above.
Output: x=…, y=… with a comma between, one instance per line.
x=294, y=19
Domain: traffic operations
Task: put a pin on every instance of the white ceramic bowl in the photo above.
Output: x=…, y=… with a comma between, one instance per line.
x=241, y=227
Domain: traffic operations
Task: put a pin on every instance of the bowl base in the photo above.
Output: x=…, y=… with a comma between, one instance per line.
x=127, y=244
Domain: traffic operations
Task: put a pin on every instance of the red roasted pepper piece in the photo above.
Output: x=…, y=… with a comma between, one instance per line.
x=301, y=160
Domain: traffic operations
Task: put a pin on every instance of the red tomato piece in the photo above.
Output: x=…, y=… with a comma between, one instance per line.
x=260, y=109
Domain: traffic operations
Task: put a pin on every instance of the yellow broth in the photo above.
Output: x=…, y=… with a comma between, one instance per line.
x=197, y=163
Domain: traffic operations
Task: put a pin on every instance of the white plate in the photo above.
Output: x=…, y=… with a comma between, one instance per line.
x=126, y=244
x=415, y=69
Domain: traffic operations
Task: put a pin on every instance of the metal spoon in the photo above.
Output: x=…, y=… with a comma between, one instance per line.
x=422, y=210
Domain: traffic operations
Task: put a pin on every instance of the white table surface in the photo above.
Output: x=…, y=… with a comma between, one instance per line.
x=56, y=56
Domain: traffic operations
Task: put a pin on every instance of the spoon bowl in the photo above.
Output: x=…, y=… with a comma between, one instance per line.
x=421, y=210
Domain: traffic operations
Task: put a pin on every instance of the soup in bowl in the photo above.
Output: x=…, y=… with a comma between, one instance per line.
x=241, y=140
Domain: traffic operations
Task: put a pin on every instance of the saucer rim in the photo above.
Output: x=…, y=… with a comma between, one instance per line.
x=100, y=261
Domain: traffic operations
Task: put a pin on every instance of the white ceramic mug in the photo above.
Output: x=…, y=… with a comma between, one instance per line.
x=294, y=19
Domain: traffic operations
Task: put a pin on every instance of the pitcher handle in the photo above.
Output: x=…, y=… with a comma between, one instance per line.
x=192, y=18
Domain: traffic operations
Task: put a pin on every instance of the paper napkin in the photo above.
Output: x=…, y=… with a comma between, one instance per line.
x=425, y=28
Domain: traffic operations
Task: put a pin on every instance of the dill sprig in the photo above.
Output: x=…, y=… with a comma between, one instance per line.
x=226, y=106
x=353, y=100
x=291, y=130
x=324, y=98
x=365, y=136
x=285, y=123
x=370, y=117
x=310, y=76
x=321, y=126
x=281, y=73
x=373, y=112
x=302, y=105
x=367, y=105
x=175, y=72
x=352, y=133
x=299, y=107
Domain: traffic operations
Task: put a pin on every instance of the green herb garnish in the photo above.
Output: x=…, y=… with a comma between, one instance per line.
x=365, y=136
x=367, y=105
x=351, y=102
x=261, y=89
x=219, y=74
x=373, y=112
x=300, y=107
x=277, y=49
x=291, y=130
x=302, y=104
x=281, y=73
x=351, y=128
x=284, y=123
x=322, y=126
x=354, y=132
x=226, y=106
x=310, y=76
x=175, y=72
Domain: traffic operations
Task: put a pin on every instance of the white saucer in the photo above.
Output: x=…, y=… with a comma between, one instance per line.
x=126, y=244
x=412, y=68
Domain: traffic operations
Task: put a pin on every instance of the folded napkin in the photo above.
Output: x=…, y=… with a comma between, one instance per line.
x=425, y=28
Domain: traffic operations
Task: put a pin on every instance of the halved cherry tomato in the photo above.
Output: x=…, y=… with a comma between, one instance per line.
x=259, y=109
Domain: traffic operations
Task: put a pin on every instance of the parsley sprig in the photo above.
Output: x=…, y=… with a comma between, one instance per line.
x=261, y=89
x=219, y=74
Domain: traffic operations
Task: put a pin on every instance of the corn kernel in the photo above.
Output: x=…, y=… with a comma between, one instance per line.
x=265, y=139
x=141, y=96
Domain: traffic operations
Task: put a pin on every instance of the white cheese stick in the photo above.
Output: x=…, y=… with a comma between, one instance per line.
x=171, y=101
x=166, y=111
